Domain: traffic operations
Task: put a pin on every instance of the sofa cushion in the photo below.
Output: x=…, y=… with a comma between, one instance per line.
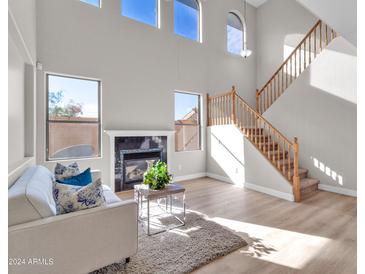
x=110, y=196
x=70, y=199
x=31, y=198
x=81, y=179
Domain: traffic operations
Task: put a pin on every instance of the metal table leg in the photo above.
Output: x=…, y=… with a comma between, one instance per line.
x=170, y=204
x=184, y=206
x=148, y=216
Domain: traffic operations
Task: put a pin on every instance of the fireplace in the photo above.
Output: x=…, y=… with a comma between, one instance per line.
x=134, y=163
x=133, y=155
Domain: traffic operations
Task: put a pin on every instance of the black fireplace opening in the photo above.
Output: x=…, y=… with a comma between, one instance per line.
x=133, y=155
x=135, y=163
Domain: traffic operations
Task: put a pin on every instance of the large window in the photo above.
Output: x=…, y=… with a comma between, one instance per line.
x=73, y=117
x=186, y=18
x=96, y=3
x=234, y=34
x=187, y=121
x=145, y=11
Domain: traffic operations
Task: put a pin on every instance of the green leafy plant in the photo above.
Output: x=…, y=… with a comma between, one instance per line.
x=58, y=108
x=157, y=176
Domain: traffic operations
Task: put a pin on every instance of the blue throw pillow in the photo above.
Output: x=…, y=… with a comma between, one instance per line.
x=81, y=179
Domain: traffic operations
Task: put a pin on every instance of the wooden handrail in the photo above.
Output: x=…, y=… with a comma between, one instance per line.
x=284, y=75
x=291, y=54
x=262, y=118
x=283, y=154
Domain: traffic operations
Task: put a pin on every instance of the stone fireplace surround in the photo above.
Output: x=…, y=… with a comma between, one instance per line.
x=116, y=135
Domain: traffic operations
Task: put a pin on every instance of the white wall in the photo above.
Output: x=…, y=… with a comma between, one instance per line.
x=281, y=25
x=340, y=15
x=320, y=109
x=15, y=105
x=232, y=158
x=140, y=66
x=24, y=14
x=21, y=58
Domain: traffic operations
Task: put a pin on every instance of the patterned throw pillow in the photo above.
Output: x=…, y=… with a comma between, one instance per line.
x=62, y=172
x=82, y=179
x=70, y=199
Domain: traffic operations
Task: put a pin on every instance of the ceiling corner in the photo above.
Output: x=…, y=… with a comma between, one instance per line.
x=256, y=3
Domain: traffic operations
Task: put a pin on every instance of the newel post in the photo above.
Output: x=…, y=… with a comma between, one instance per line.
x=296, y=178
x=233, y=114
x=257, y=100
x=208, y=111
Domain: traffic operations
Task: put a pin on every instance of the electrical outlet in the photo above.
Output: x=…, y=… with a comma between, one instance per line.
x=180, y=167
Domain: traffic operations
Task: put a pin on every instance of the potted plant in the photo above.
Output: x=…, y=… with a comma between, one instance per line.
x=157, y=176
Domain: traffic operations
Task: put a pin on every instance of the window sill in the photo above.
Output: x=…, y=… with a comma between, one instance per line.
x=190, y=151
x=73, y=159
x=236, y=55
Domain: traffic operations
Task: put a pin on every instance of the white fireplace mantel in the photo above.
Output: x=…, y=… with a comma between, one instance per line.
x=133, y=133
x=121, y=133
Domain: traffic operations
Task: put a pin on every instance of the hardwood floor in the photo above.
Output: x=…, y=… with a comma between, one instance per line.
x=317, y=235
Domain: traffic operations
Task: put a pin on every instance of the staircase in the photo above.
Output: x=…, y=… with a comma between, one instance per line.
x=283, y=154
x=318, y=37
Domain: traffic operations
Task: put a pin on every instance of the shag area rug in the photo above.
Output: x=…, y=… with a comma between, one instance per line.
x=180, y=250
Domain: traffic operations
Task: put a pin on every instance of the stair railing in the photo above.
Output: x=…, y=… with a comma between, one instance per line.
x=283, y=154
x=318, y=37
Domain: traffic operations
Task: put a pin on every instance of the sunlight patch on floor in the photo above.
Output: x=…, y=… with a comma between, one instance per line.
x=279, y=246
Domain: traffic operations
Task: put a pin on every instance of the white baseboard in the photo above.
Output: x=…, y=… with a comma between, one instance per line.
x=270, y=191
x=190, y=177
x=339, y=190
x=219, y=177
x=262, y=189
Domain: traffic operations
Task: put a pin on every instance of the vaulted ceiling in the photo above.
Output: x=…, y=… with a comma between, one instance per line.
x=256, y=3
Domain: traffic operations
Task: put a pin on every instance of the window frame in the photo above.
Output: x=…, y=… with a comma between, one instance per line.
x=98, y=122
x=240, y=18
x=200, y=124
x=199, y=23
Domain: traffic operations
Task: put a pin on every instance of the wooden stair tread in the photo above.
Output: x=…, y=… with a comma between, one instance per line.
x=259, y=139
x=258, y=134
x=302, y=172
x=285, y=162
x=276, y=152
x=308, y=182
x=254, y=130
x=269, y=146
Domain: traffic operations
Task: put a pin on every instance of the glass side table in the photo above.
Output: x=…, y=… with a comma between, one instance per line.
x=164, y=197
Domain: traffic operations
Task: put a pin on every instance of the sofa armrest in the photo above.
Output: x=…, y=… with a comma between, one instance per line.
x=77, y=242
x=96, y=174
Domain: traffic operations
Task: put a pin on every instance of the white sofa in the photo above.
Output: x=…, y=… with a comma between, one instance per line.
x=42, y=242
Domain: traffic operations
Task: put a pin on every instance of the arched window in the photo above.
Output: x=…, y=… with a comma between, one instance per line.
x=187, y=19
x=96, y=3
x=234, y=34
x=145, y=11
